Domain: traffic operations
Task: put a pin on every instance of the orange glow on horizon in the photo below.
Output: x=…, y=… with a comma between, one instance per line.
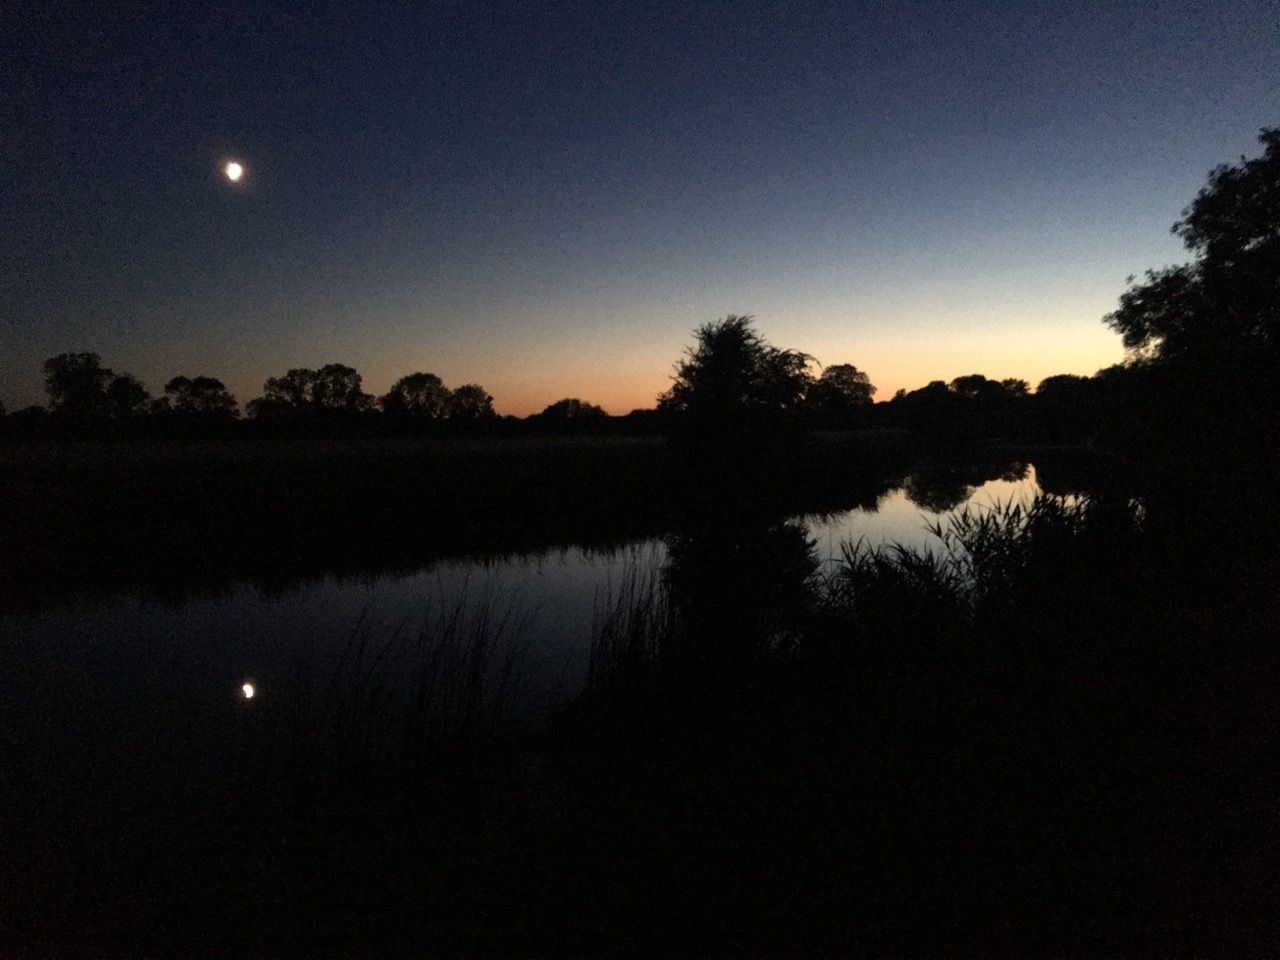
x=628, y=374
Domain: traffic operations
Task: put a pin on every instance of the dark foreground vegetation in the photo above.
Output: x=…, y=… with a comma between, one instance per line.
x=88, y=519
x=1055, y=734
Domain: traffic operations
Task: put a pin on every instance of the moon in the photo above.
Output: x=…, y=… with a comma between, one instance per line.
x=234, y=171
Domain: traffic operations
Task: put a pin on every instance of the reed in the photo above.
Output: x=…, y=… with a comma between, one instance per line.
x=395, y=702
x=986, y=557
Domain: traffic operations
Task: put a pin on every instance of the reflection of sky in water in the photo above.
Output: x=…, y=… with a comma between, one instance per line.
x=82, y=663
x=898, y=520
x=129, y=661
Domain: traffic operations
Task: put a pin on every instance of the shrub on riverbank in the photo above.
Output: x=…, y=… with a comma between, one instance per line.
x=1020, y=739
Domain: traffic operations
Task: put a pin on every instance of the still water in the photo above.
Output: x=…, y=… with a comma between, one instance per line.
x=83, y=657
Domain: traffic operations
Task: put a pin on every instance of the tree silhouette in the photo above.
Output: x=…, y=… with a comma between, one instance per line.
x=1228, y=299
x=77, y=385
x=1068, y=407
x=932, y=407
x=1015, y=387
x=337, y=387
x=1065, y=390
x=968, y=407
x=470, y=402
x=975, y=386
x=126, y=397
x=571, y=409
x=841, y=389
x=419, y=395
x=334, y=387
x=570, y=415
x=732, y=384
x=291, y=393
x=82, y=392
x=200, y=396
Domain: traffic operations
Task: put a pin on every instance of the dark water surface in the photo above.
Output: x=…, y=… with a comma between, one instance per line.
x=401, y=765
x=130, y=705
x=543, y=609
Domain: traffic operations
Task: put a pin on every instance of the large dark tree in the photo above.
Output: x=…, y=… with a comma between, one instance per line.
x=84, y=393
x=933, y=407
x=574, y=410
x=842, y=388
x=127, y=399
x=77, y=385
x=200, y=396
x=732, y=378
x=975, y=386
x=293, y=391
x=570, y=415
x=419, y=395
x=1227, y=301
x=334, y=387
x=1065, y=390
x=337, y=387
x=470, y=402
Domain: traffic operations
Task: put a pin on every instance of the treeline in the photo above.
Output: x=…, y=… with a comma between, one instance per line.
x=1111, y=407
x=1118, y=406
x=87, y=399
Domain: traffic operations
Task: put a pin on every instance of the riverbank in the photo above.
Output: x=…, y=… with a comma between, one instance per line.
x=1044, y=734
x=86, y=518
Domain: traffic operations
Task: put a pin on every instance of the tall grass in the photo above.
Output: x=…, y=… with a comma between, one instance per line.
x=395, y=702
x=632, y=625
x=986, y=558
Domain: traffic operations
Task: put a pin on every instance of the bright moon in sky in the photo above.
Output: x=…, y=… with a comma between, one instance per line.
x=248, y=691
x=234, y=173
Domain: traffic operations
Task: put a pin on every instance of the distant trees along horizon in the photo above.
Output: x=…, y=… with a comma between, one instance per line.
x=336, y=388
x=572, y=410
x=82, y=391
x=417, y=395
x=731, y=364
x=842, y=387
x=333, y=388
x=200, y=396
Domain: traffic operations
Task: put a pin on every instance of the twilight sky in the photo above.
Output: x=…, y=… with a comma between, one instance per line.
x=546, y=198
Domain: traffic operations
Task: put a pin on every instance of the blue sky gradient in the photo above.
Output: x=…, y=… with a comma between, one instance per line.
x=547, y=198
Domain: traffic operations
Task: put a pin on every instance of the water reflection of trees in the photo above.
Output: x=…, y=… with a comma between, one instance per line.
x=939, y=486
x=1072, y=473
x=161, y=528
x=738, y=585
